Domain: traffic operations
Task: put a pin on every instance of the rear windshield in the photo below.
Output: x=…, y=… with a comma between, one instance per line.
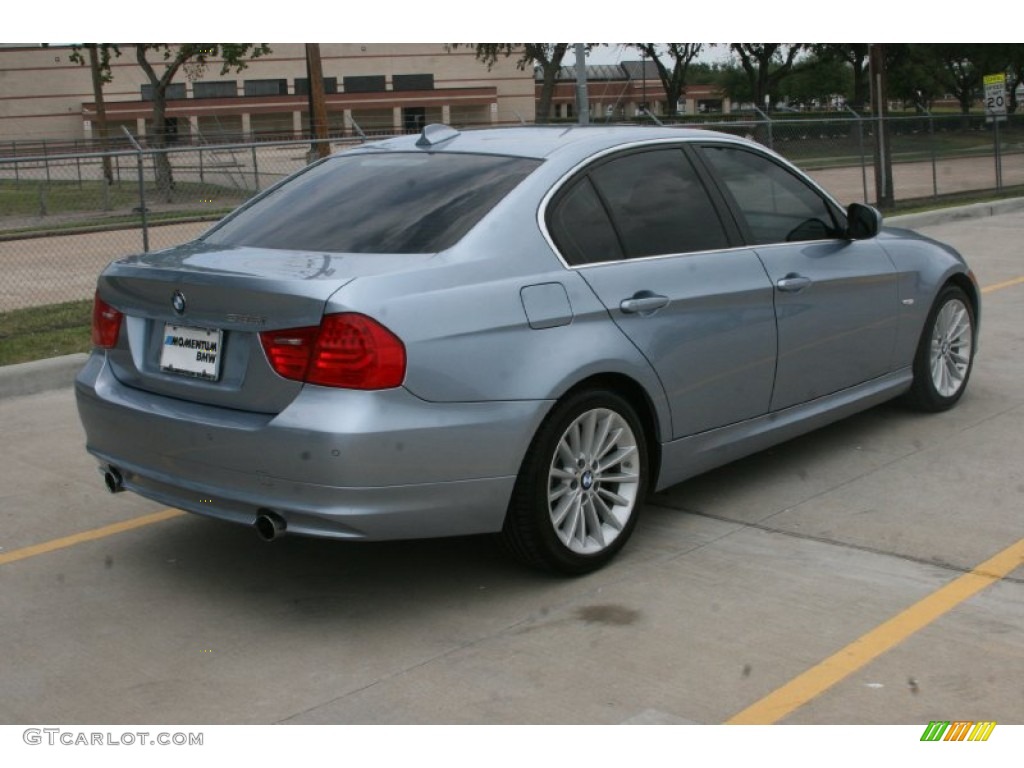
x=411, y=202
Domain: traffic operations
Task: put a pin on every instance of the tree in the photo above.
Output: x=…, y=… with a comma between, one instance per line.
x=817, y=79
x=766, y=65
x=96, y=69
x=162, y=62
x=856, y=55
x=1015, y=72
x=914, y=74
x=547, y=56
x=674, y=80
x=965, y=65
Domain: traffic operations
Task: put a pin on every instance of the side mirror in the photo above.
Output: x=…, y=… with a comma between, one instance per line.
x=862, y=222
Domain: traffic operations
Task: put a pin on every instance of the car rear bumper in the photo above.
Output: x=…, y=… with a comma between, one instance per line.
x=336, y=463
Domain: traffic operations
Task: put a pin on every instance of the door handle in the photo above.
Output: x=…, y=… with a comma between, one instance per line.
x=793, y=283
x=643, y=303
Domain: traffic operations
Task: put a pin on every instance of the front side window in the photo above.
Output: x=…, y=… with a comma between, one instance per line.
x=395, y=202
x=776, y=205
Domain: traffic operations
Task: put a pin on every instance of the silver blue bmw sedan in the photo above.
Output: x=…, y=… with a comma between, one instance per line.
x=518, y=331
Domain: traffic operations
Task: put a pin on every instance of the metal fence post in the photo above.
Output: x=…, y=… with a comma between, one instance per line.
x=255, y=170
x=998, y=153
x=860, y=145
x=768, y=120
x=931, y=145
x=142, y=191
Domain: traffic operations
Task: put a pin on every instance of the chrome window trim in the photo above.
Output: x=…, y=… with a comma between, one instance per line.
x=725, y=139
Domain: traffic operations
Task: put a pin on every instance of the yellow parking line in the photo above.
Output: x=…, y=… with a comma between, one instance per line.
x=1004, y=284
x=891, y=633
x=78, y=538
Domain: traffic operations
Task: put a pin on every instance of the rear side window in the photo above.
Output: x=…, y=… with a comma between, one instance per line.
x=581, y=228
x=408, y=202
x=647, y=203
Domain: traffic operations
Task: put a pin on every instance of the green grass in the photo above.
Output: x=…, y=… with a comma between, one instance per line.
x=36, y=205
x=104, y=223
x=34, y=197
x=49, y=331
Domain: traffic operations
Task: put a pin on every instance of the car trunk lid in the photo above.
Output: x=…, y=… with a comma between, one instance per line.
x=193, y=315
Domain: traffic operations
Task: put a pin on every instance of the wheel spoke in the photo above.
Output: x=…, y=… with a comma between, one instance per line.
x=575, y=515
x=616, y=458
x=613, y=497
x=590, y=515
x=558, y=492
x=559, y=513
x=601, y=439
x=566, y=453
x=558, y=473
x=588, y=427
x=608, y=517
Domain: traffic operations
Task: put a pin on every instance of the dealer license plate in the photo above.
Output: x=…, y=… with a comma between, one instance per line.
x=192, y=351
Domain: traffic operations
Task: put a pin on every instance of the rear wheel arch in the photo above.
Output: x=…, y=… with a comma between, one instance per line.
x=566, y=475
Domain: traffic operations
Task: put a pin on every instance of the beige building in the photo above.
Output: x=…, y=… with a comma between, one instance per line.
x=371, y=88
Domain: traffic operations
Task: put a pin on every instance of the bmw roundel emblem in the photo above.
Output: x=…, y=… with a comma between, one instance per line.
x=178, y=302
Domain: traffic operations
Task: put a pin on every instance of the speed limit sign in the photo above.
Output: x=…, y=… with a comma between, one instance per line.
x=995, y=95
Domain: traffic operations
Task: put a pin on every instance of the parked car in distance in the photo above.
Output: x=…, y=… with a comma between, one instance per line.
x=519, y=331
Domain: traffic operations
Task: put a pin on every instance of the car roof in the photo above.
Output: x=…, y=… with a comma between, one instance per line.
x=542, y=141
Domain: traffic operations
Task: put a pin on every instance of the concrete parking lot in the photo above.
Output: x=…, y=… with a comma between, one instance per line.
x=872, y=572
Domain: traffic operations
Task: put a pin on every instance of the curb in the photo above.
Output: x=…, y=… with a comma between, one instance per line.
x=959, y=213
x=59, y=372
x=40, y=375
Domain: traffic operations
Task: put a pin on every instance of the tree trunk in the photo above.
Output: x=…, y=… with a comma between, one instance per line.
x=161, y=162
x=550, y=69
x=547, y=90
x=101, y=111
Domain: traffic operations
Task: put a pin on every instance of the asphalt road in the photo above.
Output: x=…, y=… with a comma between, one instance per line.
x=846, y=577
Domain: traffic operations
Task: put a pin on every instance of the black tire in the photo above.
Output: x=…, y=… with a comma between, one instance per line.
x=945, y=353
x=581, y=485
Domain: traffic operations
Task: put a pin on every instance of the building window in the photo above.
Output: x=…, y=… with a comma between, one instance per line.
x=302, y=85
x=365, y=84
x=266, y=87
x=215, y=89
x=412, y=83
x=174, y=91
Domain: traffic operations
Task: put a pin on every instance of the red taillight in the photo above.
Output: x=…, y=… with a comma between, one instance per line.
x=346, y=350
x=106, y=324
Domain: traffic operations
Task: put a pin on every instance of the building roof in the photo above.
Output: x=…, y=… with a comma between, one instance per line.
x=624, y=71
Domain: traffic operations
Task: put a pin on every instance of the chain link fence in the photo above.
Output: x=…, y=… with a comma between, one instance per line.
x=65, y=214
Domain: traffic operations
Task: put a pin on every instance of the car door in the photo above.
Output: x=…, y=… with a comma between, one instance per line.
x=836, y=301
x=642, y=231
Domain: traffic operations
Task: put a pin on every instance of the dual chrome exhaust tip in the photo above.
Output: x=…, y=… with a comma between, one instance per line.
x=269, y=525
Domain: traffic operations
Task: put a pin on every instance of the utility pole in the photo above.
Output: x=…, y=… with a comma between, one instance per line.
x=317, y=102
x=884, y=195
x=582, y=98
